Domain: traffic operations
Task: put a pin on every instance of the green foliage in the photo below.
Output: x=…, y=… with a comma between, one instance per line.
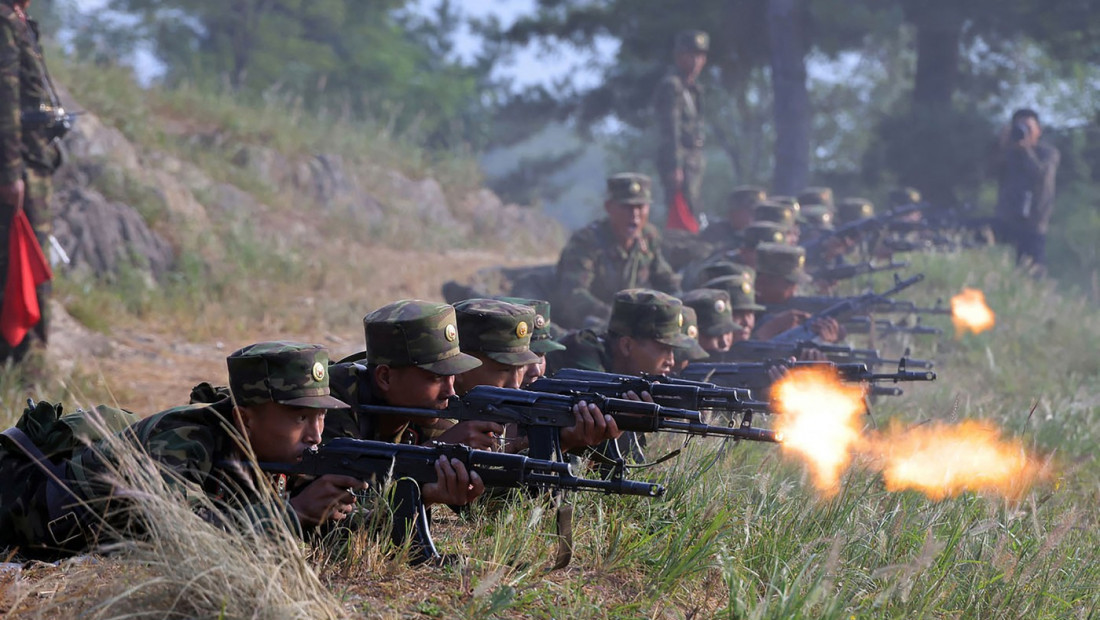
x=359, y=60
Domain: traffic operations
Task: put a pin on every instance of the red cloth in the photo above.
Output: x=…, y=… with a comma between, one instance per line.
x=27, y=268
x=680, y=216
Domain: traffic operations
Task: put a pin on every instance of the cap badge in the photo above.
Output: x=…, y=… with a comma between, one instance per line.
x=801, y=262
x=720, y=306
x=318, y=371
x=540, y=321
x=826, y=217
x=746, y=288
x=701, y=40
x=693, y=332
x=635, y=187
x=522, y=330
x=450, y=332
x=778, y=237
x=680, y=320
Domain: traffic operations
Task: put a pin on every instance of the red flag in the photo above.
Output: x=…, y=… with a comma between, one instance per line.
x=27, y=268
x=680, y=216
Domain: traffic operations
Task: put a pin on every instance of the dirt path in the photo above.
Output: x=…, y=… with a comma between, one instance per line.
x=146, y=368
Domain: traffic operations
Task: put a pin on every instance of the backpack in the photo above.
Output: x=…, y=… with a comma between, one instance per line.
x=38, y=511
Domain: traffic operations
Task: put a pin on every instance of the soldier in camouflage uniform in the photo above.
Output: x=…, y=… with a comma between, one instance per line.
x=780, y=272
x=742, y=304
x=821, y=196
x=542, y=337
x=716, y=325
x=619, y=252
x=728, y=232
x=756, y=234
x=678, y=104
x=411, y=360
x=643, y=335
x=695, y=353
x=278, y=394
x=28, y=154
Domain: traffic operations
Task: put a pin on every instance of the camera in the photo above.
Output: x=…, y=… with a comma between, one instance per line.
x=1020, y=131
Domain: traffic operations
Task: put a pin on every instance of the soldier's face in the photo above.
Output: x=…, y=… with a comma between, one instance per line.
x=716, y=344
x=492, y=373
x=533, y=371
x=740, y=218
x=409, y=386
x=746, y=320
x=691, y=63
x=773, y=290
x=281, y=433
x=627, y=221
x=638, y=355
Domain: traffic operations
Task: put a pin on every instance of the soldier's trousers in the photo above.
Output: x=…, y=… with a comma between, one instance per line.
x=693, y=183
x=36, y=204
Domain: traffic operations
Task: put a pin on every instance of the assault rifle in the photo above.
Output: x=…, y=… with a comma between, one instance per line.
x=755, y=376
x=542, y=415
x=867, y=224
x=847, y=306
x=837, y=273
x=678, y=392
x=882, y=327
x=818, y=303
x=376, y=462
x=756, y=350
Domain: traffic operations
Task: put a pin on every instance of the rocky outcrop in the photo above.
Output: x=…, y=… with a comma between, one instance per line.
x=102, y=227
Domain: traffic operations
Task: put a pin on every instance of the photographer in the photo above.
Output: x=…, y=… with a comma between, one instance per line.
x=1025, y=197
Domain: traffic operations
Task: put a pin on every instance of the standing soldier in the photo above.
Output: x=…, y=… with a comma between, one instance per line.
x=679, y=107
x=31, y=121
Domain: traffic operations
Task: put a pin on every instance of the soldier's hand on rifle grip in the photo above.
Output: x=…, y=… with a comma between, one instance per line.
x=13, y=194
x=478, y=434
x=828, y=329
x=454, y=485
x=644, y=397
x=327, y=497
x=592, y=428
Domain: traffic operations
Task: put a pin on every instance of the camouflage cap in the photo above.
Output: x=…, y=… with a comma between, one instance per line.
x=629, y=188
x=500, y=330
x=542, y=340
x=903, y=196
x=790, y=201
x=783, y=261
x=642, y=313
x=695, y=352
x=816, y=196
x=712, y=307
x=416, y=333
x=852, y=209
x=740, y=290
x=747, y=196
x=692, y=41
x=772, y=211
x=288, y=373
x=818, y=216
x=764, y=232
x=721, y=268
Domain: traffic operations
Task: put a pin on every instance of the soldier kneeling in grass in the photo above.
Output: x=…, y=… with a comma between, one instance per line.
x=64, y=503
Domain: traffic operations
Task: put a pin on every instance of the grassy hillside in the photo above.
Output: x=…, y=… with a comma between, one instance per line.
x=741, y=533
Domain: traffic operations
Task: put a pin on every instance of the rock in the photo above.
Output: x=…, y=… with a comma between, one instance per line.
x=101, y=236
x=71, y=343
x=424, y=199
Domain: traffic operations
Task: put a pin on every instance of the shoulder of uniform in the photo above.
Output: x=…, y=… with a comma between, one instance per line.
x=588, y=233
x=7, y=14
x=651, y=233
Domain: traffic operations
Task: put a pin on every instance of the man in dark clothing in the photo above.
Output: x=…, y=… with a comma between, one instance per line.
x=1025, y=191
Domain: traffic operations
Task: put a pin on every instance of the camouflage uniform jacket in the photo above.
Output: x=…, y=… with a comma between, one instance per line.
x=199, y=448
x=23, y=86
x=722, y=236
x=585, y=349
x=679, y=109
x=593, y=267
x=344, y=381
